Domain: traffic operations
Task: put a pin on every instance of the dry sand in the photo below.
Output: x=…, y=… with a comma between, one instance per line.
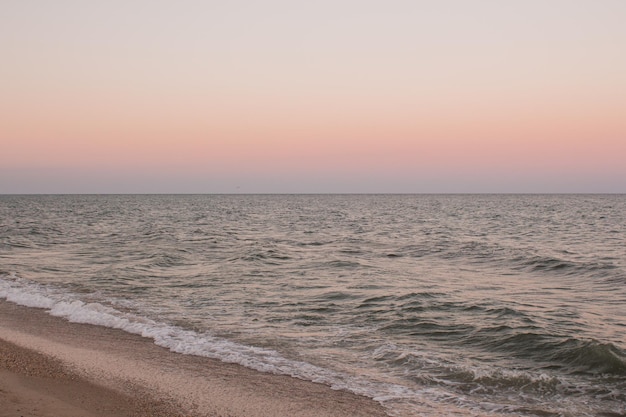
x=50, y=367
x=32, y=384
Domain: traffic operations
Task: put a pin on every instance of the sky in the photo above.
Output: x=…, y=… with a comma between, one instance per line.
x=341, y=96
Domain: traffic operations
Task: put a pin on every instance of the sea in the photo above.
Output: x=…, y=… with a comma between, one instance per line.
x=432, y=305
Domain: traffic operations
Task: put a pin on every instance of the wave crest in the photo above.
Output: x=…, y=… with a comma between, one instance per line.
x=591, y=356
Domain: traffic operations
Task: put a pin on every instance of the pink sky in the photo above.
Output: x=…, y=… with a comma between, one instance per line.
x=339, y=96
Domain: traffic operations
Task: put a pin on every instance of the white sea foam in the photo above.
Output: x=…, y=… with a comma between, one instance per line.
x=19, y=292
x=400, y=399
x=176, y=339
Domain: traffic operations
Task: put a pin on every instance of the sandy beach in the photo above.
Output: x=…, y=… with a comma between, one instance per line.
x=33, y=384
x=50, y=367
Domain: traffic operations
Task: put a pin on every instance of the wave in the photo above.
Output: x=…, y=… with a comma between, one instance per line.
x=503, y=331
x=65, y=305
x=515, y=259
x=69, y=307
x=549, y=264
x=591, y=356
x=509, y=390
x=467, y=378
x=262, y=256
x=570, y=355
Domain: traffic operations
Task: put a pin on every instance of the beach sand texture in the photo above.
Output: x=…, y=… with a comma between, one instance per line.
x=50, y=367
x=32, y=384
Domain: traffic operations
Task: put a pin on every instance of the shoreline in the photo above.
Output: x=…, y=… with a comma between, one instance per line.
x=92, y=371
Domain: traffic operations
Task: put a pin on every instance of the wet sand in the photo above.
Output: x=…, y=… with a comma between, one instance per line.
x=50, y=367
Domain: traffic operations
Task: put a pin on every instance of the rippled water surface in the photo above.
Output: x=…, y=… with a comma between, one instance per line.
x=431, y=304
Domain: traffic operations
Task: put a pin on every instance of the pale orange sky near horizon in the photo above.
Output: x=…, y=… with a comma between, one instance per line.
x=342, y=96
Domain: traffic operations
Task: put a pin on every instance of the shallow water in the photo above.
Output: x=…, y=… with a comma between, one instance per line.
x=431, y=304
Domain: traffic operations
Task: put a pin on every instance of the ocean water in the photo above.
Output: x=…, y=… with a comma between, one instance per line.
x=433, y=305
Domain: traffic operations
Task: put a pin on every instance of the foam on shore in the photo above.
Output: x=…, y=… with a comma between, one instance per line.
x=65, y=305
x=202, y=386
